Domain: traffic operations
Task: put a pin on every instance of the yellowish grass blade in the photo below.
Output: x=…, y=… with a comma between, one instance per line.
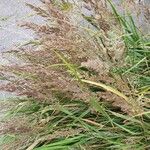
x=108, y=88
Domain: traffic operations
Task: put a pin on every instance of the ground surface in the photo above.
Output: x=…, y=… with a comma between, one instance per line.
x=13, y=12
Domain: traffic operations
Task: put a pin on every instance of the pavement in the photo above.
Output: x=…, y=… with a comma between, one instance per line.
x=13, y=12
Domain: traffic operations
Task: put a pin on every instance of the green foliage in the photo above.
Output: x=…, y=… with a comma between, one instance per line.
x=68, y=121
x=138, y=51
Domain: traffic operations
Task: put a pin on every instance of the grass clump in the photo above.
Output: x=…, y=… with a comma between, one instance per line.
x=75, y=95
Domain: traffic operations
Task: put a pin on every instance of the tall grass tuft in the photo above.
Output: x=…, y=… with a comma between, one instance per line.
x=80, y=81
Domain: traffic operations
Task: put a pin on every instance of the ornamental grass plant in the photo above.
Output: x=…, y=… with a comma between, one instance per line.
x=83, y=83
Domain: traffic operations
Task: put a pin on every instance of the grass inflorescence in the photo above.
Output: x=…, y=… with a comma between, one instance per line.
x=83, y=85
